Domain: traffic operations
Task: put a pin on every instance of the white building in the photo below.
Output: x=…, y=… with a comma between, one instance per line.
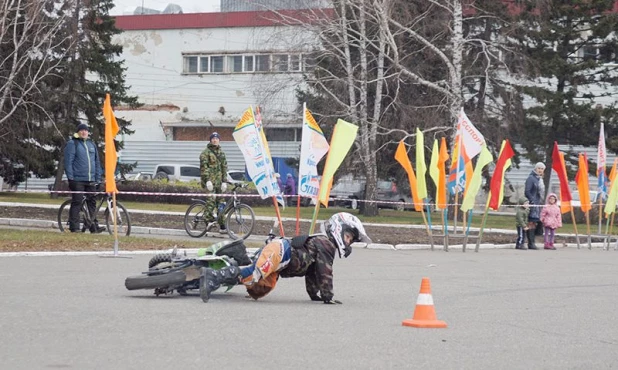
x=197, y=73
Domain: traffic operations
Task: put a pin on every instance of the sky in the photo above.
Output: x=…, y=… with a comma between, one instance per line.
x=188, y=6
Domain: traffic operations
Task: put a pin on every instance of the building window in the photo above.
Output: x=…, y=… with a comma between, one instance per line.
x=280, y=63
x=249, y=63
x=590, y=52
x=295, y=63
x=262, y=63
x=204, y=64
x=234, y=63
x=190, y=65
x=245, y=63
x=216, y=64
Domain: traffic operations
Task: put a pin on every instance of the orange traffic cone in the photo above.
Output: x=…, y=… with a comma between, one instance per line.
x=424, y=313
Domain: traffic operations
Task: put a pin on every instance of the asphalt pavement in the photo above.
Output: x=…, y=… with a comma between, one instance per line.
x=505, y=309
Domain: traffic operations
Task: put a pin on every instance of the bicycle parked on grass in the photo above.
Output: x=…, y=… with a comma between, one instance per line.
x=239, y=217
x=123, y=220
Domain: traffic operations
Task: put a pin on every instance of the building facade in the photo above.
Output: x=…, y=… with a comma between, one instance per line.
x=197, y=73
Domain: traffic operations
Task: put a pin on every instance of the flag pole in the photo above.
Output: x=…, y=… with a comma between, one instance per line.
x=298, y=216
x=430, y=226
x=588, y=227
x=575, y=227
x=316, y=210
x=455, y=208
x=600, y=212
x=463, y=230
x=607, y=236
x=115, y=210
x=429, y=232
x=281, y=232
x=478, y=241
x=445, y=223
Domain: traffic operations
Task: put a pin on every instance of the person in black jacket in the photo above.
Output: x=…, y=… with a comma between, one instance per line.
x=535, y=188
x=83, y=169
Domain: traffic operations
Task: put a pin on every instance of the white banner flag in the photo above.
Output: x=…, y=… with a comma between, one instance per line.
x=313, y=148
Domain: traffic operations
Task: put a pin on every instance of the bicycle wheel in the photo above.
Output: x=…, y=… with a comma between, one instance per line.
x=195, y=221
x=63, y=216
x=123, y=220
x=240, y=222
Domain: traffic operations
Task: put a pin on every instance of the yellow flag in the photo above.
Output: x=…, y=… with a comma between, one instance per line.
x=475, y=183
x=610, y=207
x=421, y=167
x=343, y=137
x=433, y=166
x=111, y=129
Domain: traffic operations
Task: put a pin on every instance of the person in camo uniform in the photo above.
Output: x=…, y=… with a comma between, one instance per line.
x=310, y=256
x=213, y=170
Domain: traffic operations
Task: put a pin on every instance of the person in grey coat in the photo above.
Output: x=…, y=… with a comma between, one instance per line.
x=535, y=188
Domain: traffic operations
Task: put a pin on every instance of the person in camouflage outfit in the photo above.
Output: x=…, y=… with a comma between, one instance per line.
x=310, y=256
x=213, y=170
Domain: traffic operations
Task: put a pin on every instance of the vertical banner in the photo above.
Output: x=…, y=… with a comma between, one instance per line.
x=111, y=157
x=468, y=143
x=313, y=147
x=249, y=141
x=343, y=137
x=270, y=168
x=497, y=179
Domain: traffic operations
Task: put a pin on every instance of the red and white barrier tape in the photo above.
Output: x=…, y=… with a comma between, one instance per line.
x=197, y=195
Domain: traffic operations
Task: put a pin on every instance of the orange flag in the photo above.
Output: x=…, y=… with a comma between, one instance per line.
x=441, y=202
x=581, y=178
x=401, y=156
x=111, y=129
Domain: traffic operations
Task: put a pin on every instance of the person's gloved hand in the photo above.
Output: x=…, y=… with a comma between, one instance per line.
x=347, y=251
x=223, y=187
x=332, y=301
x=315, y=297
x=209, y=185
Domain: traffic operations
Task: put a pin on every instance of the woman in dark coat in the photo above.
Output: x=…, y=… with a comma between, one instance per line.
x=535, y=188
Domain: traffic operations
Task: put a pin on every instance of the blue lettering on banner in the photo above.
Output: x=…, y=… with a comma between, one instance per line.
x=306, y=187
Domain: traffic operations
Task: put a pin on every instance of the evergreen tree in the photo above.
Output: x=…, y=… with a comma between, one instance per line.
x=570, y=82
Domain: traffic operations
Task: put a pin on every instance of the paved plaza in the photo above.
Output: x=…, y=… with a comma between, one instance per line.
x=505, y=309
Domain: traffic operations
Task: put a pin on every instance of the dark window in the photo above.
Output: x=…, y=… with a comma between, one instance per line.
x=248, y=63
x=216, y=64
x=190, y=65
x=167, y=169
x=204, y=64
x=234, y=63
x=190, y=171
x=262, y=63
x=282, y=134
x=280, y=63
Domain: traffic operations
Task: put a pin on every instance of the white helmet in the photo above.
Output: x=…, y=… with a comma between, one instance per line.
x=340, y=223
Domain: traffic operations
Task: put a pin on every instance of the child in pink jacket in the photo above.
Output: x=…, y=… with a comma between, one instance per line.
x=551, y=219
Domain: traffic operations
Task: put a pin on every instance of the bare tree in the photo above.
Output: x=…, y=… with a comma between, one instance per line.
x=30, y=40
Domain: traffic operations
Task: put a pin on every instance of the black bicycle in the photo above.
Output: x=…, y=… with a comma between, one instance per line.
x=123, y=220
x=239, y=217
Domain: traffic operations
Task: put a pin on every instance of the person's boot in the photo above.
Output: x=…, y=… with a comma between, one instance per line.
x=531, y=236
x=96, y=229
x=518, y=245
x=550, y=246
x=211, y=280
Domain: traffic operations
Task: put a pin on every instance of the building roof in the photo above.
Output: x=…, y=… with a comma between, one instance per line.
x=220, y=20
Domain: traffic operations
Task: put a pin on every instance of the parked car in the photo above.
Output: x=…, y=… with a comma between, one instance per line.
x=139, y=176
x=354, y=190
x=594, y=198
x=235, y=176
x=177, y=172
